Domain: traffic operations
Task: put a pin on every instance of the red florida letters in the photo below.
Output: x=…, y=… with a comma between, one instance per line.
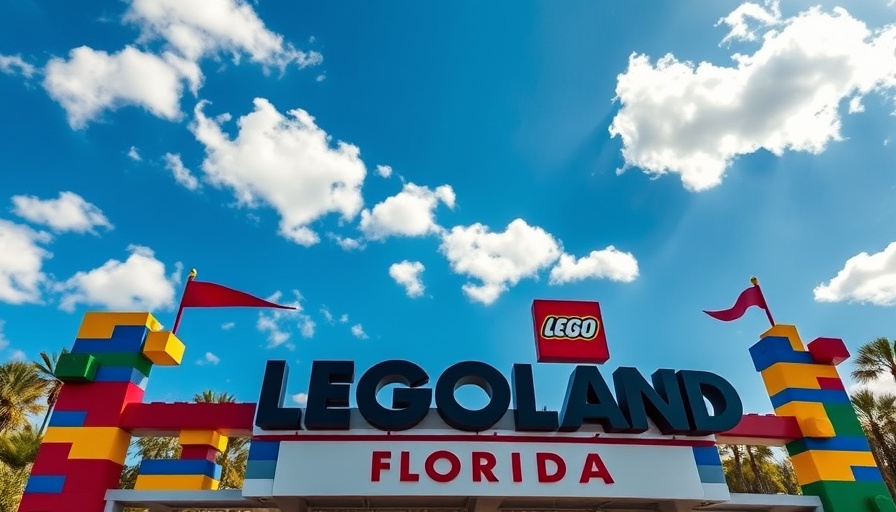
x=443, y=466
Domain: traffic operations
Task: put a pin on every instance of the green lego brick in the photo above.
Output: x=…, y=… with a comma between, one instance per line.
x=848, y=496
x=844, y=419
x=796, y=447
x=76, y=367
x=884, y=504
x=130, y=360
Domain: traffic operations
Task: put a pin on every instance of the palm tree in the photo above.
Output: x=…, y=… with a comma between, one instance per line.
x=877, y=413
x=875, y=358
x=21, y=391
x=738, y=464
x=17, y=452
x=759, y=458
x=46, y=367
x=234, y=457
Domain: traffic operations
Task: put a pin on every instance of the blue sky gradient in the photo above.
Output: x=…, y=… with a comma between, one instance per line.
x=510, y=104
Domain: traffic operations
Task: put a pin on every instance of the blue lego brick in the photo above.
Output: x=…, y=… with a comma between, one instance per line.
x=120, y=374
x=839, y=443
x=180, y=467
x=67, y=419
x=711, y=474
x=776, y=349
x=263, y=450
x=825, y=396
x=125, y=338
x=707, y=456
x=261, y=469
x=45, y=484
x=867, y=474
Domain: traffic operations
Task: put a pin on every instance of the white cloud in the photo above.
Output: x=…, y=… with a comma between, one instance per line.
x=347, y=243
x=300, y=398
x=358, y=332
x=134, y=154
x=92, y=81
x=18, y=355
x=285, y=162
x=384, y=171
x=326, y=313
x=211, y=27
x=21, y=261
x=498, y=260
x=738, y=20
x=880, y=385
x=278, y=323
x=15, y=65
x=137, y=284
x=68, y=212
x=3, y=341
x=343, y=318
x=182, y=175
x=228, y=325
x=694, y=120
x=411, y=212
x=321, y=77
x=209, y=358
x=407, y=274
x=869, y=278
x=609, y=263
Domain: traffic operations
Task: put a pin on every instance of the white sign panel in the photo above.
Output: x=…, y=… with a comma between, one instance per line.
x=349, y=467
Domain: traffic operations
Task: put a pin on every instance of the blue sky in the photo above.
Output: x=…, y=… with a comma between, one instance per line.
x=412, y=175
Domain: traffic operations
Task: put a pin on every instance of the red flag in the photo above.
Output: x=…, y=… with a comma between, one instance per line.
x=752, y=296
x=199, y=294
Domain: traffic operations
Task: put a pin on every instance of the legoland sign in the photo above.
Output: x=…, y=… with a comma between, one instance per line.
x=600, y=442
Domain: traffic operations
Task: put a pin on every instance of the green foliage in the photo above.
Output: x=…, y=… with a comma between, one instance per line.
x=757, y=469
x=874, y=359
x=12, y=485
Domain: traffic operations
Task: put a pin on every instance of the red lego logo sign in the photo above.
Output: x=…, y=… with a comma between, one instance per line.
x=569, y=332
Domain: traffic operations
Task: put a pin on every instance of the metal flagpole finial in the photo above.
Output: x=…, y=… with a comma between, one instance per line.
x=753, y=280
x=192, y=274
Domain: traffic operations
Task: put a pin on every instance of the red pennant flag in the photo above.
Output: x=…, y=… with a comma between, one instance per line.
x=752, y=296
x=199, y=294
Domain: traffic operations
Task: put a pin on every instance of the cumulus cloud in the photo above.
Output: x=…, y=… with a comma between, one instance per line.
x=182, y=175
x=21, y=262
x=740, y=19
x=384, y=171
x=609, y=263
x=209, y=358
x=211, y=27
x=3, y=341
x=358, y=332
x=411, y=212
x=279, y=323
x=695, y=119
x=92, y=81
x=139, y=283
x=228, y=325
x=347, y=243
x=300, y=398
x=18, y=355
x=878, y=386
x=407, y=274
x=285, y=162
x=15, y=65
x=68, y=212
x=134, y=154
x=868, y=278
x=498, y=259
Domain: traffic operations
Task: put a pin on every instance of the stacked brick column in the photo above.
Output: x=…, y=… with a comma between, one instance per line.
x=196, y=469
x=832, y=460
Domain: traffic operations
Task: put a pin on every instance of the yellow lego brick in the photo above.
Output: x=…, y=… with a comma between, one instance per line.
x=780, y=376
x=789, y=332
x=99, y=325
x=814, y=465
x=175, y=483
x=802, y=410
x=93, y=443
x=816, y=427
x=163, y=348
x=204, y=438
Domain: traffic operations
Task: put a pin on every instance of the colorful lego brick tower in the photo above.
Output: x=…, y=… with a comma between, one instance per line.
x=84, y=448
x=833, y=459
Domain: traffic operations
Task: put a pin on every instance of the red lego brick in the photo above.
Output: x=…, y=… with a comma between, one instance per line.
x=765, y=430
x=87, y=475
x=196, y=452
x=828, y=351
x=103, y=401
x=51, y=459
x=830, y=383
x=67, y=502
x=231, y=419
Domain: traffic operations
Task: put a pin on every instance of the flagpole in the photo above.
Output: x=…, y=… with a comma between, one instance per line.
x=768, y=313
x=180, y=307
